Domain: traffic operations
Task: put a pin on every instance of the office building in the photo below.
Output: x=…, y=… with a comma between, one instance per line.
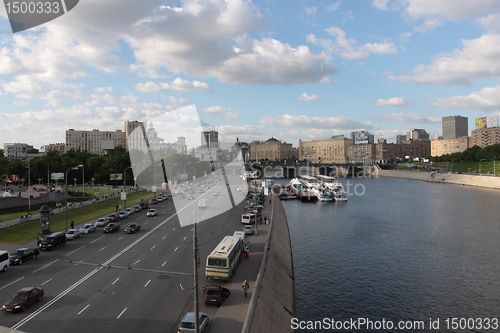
x=455, y=127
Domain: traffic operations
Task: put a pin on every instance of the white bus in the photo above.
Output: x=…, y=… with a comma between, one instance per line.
x=222, y=262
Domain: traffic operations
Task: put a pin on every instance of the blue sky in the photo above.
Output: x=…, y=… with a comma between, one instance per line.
x=295, y=69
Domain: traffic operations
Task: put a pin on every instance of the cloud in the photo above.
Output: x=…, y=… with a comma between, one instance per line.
x=177, y=84
x=287, y=120
x=476, y=60
x=306, y=98
x=229, y=114
x=311, y=10
x=486, y=99
x=394, y=101
x=333, y=7
x=415, y=118
x=348, y=48
x=380, y=4
x=490, y=23
x=451, y=10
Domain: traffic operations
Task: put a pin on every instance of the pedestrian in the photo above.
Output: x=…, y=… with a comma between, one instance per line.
x=72, y=224
x=245, y=287
x=38, y=241
x=116, y=207
x=247, y=253
x=36, y=252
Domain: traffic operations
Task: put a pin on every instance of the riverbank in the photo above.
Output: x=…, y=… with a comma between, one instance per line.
x=458, y=179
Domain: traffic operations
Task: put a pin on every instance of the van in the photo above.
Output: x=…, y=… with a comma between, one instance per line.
x=53, y=241
x=240, y=234
x=248, y=218
x=4, y=260
x=144, y=204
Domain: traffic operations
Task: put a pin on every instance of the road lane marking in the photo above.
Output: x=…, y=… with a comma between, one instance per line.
x=102, y=249
x=147, y=284
x=176, y=249
x=95, y=240
x=67, y=254
x=137, y=262
x=47, y=281
x=12, y=283
x=83, y=309
x=163, y=264
x=151, y=249
x=50, y=263
x=164, y=237
x=185, y=238
x=121, y=313
x=115, y=281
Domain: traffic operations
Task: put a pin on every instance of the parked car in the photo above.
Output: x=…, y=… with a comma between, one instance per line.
x=133, y=228
x=114, y=217
x=88, y=228
x=215, y=294
x=137, y=208
x=52, y=241
x=123, y=214
x=72, y=234
x=112, y=227
x=18, y=256
x=130, y=211
x=23, y=298
x=144, y=204
x=153, y=201
x=102, y=222
x=249, y=229
x=152, y=212
x=187, y=322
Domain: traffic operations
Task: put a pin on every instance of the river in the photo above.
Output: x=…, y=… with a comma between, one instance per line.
x=400, y=252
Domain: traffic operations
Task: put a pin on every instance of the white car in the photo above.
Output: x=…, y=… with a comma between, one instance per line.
x=72, y=234
x=152, y=212
x=88, y=228
x=187, y=323
x=130, y=211
x=102, y=222
x=249, y=230
x=124, y=214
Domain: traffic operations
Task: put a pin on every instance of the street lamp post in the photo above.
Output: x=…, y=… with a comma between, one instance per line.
x=83, y=176
x=187, y=178
x=66, y=195
x=170, y=179
x=195, y=269
x=74, y=179
x=154, y=181
x=48, y=175
x=125, y=186
x=29, y=184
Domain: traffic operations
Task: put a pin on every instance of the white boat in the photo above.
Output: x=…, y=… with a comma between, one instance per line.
x=335, y=187
x=322, y=195
x=301, y=190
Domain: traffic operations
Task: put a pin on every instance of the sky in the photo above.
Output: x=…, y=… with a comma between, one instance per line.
x=293, y=70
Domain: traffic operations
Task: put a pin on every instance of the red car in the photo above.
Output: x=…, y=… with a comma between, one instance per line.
x=215, y=294
x=153, y=201
x=23, y=298
x=114, y=217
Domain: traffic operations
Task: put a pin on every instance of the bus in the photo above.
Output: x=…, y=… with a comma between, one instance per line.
x=224, y=259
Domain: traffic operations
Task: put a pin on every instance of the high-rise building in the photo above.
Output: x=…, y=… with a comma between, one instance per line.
x=455, y=127
x=95, y=141
x=210, y=139
x=417, y=134
x=362, y=137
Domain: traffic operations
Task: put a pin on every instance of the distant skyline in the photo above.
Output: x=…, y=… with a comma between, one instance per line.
x=298, y=69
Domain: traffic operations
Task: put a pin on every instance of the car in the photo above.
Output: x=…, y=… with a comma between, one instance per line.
x=123, y=214
x=153, y=202
x=215, y=294
x=112, y=227
x=152, y=212
x=187, y=322
x=18, y=256
x=160, y=199
x=249, y=229
x=102, y=222
x=88, y=228
x=130, y=211
x=137, y=208
x=114, y=217
x=144, y=204
x=133, y=228
x=23, y=298
x=72, y=234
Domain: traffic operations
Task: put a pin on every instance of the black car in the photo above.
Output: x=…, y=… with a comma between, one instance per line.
x=18, y=256
x=112, y=227
x=132, y=228
x=23, y=298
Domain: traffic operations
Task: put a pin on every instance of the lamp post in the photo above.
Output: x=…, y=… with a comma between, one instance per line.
x=39, y=181
x=66, y=195
x=83, y=176
x=29, y=195
x=170, y=179
x=187, y=178
x=195, y=269
x=74, y=179
x=48, y=175
x=154, y=181
x=125, y=186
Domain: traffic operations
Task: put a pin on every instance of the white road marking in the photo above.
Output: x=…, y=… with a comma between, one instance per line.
x=176, y=249
x=50, y=263
x=163, y=264
x=75, y=250
x=121, y=313
x=115, y=281
x=46, y=281
x=12, y=283
x=83, y=309
x=147, y=284
x=102, y=249
x=137, y=262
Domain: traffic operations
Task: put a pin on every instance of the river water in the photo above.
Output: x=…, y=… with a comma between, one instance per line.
x=405, y=252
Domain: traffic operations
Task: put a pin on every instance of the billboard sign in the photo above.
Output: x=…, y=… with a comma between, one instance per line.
x=57, y=175
x=481, y=123
x=116, y=176
x=492, y=121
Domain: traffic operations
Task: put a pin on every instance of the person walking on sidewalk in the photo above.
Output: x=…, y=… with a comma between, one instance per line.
x=36, y=252
x=245, y=287
x=72, y=224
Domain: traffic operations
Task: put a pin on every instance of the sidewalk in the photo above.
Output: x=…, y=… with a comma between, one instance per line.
x=231, y=315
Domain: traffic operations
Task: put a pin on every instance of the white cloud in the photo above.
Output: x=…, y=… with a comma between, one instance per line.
x=394, y=101
x=215, y=110
x=287, y=120
x=348, y=48
x=486, y=99
x=490, y=23
x=415, y=118
x=179, y=100
x=177, y=84
x=311, y=10
x=306, y=98
x=477, y=59
x=232, y=115
x=380, y=4
x=333, y=7
x=451, y=10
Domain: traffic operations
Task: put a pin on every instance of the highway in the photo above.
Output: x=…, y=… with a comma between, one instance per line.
x=85, y=298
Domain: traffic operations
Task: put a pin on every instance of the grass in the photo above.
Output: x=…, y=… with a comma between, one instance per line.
x=28, y=231
x=487, y=167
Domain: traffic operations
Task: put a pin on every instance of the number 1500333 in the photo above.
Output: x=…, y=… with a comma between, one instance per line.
x=33, y=7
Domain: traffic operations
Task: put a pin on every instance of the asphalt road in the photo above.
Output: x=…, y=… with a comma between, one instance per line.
x=84, y=298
